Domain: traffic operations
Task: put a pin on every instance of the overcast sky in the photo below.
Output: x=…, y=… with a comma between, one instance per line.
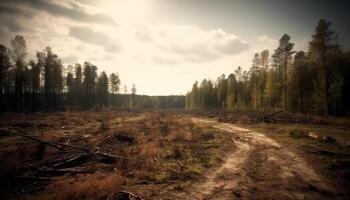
x=163, y=46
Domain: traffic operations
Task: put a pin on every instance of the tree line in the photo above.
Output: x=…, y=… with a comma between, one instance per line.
x=315, y=82
x=44, y=84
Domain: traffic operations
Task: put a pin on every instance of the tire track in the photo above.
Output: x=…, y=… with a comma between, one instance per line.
x=260, y=168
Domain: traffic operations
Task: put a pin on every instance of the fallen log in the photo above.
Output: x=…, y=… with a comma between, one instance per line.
x=72, y=161
x=96, y=153
x=129, y=196
x=109, y=157
x=34, y=178
x=264, y=118
x=104, y=139
x=145, y=182
x=53, y=144
x=61, y=158
x=38, y=140
x=33, y=187
x=72, y=170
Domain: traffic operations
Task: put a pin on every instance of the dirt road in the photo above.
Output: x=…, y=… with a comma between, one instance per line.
x=260, y=168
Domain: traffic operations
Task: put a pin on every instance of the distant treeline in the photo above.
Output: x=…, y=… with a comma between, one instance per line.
x=316, y=81
x=45, y=84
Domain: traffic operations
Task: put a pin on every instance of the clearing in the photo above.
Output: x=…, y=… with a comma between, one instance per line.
x=169, y=155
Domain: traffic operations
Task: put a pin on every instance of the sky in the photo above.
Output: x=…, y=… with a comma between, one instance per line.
x=164, y=46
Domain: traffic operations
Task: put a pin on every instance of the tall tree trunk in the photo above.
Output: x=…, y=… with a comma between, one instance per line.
x=285, y=82
x=325, y=77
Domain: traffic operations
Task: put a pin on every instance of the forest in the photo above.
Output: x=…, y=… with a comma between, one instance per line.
x=313, y=82
x=45, y=84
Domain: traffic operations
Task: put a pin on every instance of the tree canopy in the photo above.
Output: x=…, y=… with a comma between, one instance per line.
x=45, y=84
x=314, y=82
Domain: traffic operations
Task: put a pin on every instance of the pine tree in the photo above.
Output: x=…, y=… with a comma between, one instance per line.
x=115, y=84
x=133, y=94
x=264, y=63
x=35, y=71
x=5, y=65
x=70, y=88
x=194, y=96
x=89, y=84
x=102, y=89
x=320, y=49
x=222, y=91
x=255, y=76
x=231, y=92
x=19, y=53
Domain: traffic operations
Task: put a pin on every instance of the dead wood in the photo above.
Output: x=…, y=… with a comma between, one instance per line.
x=72, y=170
x=145, y=182
x=33, y=187
x=72, y=161
x=38, y=140
x=105, y=156
x=104, y=139
x=40, y=178
x=129, y=196
x=271, y=114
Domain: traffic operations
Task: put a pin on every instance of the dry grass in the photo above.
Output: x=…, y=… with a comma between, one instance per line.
x=92, y=186
x=165, y=147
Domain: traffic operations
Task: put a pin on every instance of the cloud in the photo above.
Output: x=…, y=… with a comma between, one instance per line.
x=6, y=9
x=59, y=10
x=190, y=43
x=104, y=57
x=5, y=37
x=88, y=35
x=89, y=2
x=143, y=34
x=227, y=43
x=14, y=24
x=70, y=59
x=267, y=41
x=162, y=60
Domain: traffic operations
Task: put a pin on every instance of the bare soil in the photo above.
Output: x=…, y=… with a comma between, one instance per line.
x=261, y=168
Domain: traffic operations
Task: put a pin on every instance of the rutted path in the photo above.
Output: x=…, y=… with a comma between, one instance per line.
x=260, y=168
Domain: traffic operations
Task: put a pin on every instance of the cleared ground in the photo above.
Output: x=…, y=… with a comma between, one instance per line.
x=169, y=155
x=261, y=168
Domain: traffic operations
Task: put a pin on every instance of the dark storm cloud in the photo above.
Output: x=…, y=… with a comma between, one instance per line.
x=90, y=36
x=75, y=13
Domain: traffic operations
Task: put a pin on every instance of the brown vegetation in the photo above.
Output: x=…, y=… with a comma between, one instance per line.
x=150, y=148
